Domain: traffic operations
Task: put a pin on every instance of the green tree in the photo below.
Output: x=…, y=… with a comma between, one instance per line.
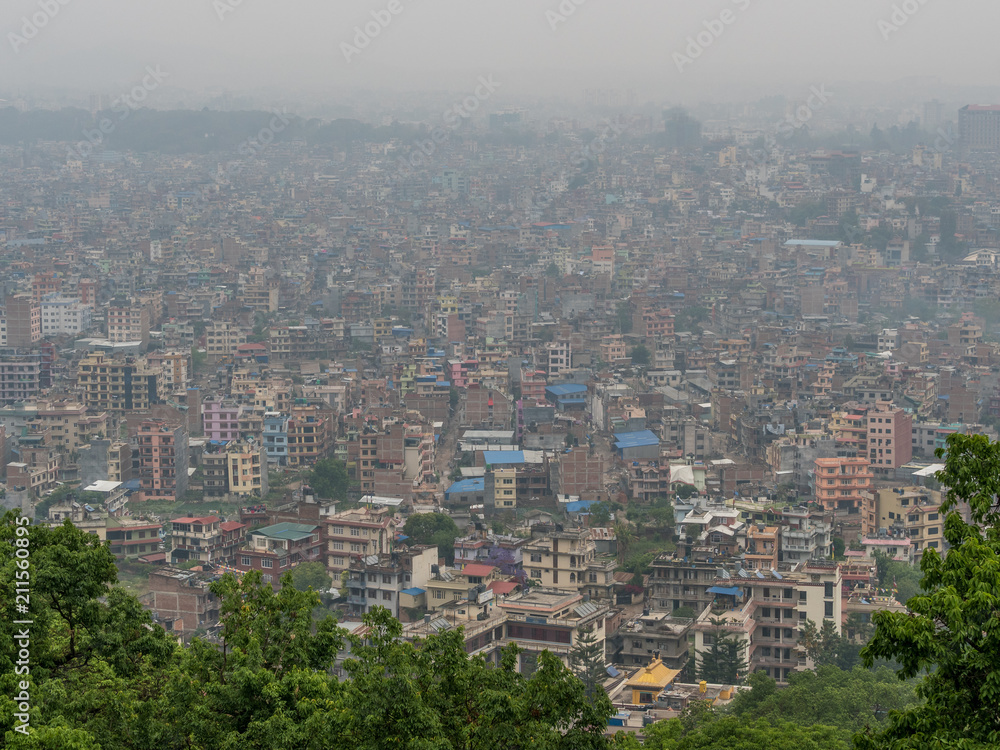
x=198, y=359
x=724, y=661
x=950, y=634
x=600, y=514
x=640, y=355
x=586, y=659
x=826, y=647
x=328, y=478
x=311, y=575
x=437, y=529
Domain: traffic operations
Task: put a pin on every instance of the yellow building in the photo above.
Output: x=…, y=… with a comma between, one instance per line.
x=505, y=489
x=247, y=468
x=127, y=384
x=648, y=682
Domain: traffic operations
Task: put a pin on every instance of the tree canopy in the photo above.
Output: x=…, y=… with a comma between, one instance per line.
x=437, y=529
x=951, y=635
x=328, y=478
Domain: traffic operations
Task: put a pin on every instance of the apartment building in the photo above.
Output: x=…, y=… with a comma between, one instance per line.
x=676, y=582
x=638, y=641
x=557, y=358
x=160, y=461
x=69, y=424
x=275, y=550
x=128, y=321
x=205, y=539
x=121, y=384
x=64, y=316
x=23, y=320
x=220, y=420
x=352, y=534
x=133, y=540
x=246, y=468
x=20, y=377
x=275, y=437
x=222, y=339
x=567, y=559
x=390, y=580
x=890, y=435
x=176, y=369
x=553, y=620
x=447, y=585
x=840, y=482
x=310, y=434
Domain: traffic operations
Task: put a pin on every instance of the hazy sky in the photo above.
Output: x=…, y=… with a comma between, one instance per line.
x=768, y=46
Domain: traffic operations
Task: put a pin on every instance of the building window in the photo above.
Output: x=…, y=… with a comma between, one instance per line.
x=828, y=609
x=266, y=563
x=245, y=561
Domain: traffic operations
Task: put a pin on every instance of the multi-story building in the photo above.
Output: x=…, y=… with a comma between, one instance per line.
x=567, y=559
x=840, y=482
x=246, y=468
x=558, y=358
x=133, y=540
x=121, y=384
x=64, y=315
x=20, y=376
x=69, y=424
x=310, y=434
x=23, y=318
x=275, y=550
x=640, y=640
x=161, y=460
x=180, y=601
x=128, y=321
x=676, y=582
x=176, y=369
x=222, y=339
x=553, y=620
x=221, y=420
x=276, y=437
x=890, y=434
x=205, y=539
x=381, y=580
x=979, y=127
x=353, y=534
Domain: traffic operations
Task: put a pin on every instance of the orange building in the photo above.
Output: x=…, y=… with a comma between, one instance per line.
x=840, y=482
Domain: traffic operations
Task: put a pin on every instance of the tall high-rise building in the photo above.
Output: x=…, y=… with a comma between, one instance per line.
x=24, y=320
x=979, y=127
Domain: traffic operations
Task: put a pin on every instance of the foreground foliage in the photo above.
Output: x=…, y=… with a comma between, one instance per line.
x=104, y=676
x=953, y=634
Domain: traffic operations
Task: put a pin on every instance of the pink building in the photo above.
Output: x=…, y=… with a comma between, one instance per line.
x=890, y=437
x=459, y=371
x=221, y=420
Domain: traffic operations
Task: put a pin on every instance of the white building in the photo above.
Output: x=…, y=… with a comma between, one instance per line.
x=64, y=315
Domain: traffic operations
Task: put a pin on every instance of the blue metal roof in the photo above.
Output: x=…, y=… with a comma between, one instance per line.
x=726, y=591
x=503, y=457
x=476, y=484
x=635, y=439
x=414, y=591
x=566, y=389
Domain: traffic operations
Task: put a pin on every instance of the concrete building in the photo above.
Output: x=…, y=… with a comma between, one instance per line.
x=890, y=434
x=353, y=534
x=394, y=581
x=180, y=601
x=64, y=315
x=23, y=317
x=161, y=460
x=119, y=384
x=128, y=321
x=840, y=482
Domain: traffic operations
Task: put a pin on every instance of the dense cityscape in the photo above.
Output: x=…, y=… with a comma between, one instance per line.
x=575, y=423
